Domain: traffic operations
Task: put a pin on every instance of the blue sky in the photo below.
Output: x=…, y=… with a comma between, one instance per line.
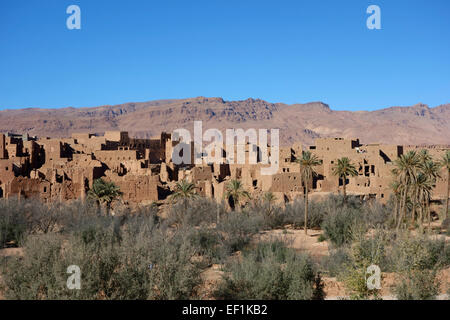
x=279, y=51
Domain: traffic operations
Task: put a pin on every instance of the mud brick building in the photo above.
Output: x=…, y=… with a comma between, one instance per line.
x=64, y=169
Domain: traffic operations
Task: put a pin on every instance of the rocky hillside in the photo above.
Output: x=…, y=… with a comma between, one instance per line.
x=417, y=124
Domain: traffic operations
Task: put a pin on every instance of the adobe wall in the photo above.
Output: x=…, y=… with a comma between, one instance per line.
x=6, y=175
x=28, y=188
x=286, y=182
x=143, y=168
x=137, y=188
x=3, y=146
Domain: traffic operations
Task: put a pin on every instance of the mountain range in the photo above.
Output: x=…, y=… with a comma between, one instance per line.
x=413, y=125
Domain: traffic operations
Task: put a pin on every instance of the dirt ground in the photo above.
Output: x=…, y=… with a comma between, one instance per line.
x=9, y=252
x=297, y=240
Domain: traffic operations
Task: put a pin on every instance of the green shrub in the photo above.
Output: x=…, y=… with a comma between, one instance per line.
x=208, y=243
x=355, y=281
x=138, y=255
x=418, y=252
x=272, y=217
x=337, y=262
x=446, y=225
x=341, y=224
x=144, y=221
x=417, y=285
x=350, y=263
x=275, y=249
x=199, y=211
x=271, y=271
x=233, y=233
x=236, y=230
x=78, y=215
x=368, y=250
x=30, y=216
x=416, y=260
x=364, y=253
x=294, y=213
x=13, y=222
x=40, y=274
x=377, y=215
x=445, y=257
x=44, y=218
x=115, y=262
x=174, y=274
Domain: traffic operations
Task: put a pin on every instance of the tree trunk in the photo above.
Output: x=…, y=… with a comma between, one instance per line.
x=421, y=210
x=345, y=189
x=306, y=209
x=403, y=208
x=99, y=206
x=218, y=214
x=395, y=210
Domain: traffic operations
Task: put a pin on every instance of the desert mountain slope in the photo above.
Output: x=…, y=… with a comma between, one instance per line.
x=417, y=124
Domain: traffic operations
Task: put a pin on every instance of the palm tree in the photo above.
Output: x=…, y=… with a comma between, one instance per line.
x=307, y=163
x=396, y=187
x=184, y=191
x=445, y=162
x=421, y=190
x=343, y=169
x=406, y=167
x=104, y=193
x=424, y=156
x=431, y=170
x=235, y=191
x=269, y=198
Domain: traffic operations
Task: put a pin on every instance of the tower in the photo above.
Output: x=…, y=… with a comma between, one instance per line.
x=2, y=146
